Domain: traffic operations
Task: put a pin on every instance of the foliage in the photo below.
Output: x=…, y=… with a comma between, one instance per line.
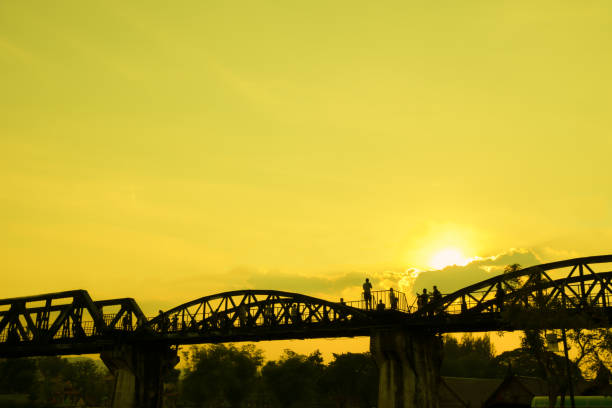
x=17, y=376
x=534, y=311
x=351, y=379
x=522, y=362
x=516, y=281
x=220, y=375
x=469, y=357
x=46, y=379
x=295, y=380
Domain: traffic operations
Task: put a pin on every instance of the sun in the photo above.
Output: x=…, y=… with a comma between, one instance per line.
x=447, y=257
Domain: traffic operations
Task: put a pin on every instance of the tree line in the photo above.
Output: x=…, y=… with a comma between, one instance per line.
x=53, y=381
x=238, y=376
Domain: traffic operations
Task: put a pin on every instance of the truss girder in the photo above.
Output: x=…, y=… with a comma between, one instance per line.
x=64, y=316
x=247, y=310
x=580, y=286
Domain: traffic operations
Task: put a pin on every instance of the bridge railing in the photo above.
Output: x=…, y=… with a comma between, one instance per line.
x=385, y=296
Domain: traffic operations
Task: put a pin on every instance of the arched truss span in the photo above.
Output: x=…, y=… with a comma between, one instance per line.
x=575, y=283
x=65, y=316
x=251, y=309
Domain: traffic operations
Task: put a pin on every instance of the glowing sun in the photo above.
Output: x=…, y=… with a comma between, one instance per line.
x=447, y=257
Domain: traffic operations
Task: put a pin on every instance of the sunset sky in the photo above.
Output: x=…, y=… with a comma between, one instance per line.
x=169, y=150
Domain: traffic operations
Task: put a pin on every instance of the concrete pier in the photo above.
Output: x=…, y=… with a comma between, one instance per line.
x=409, y=368
x=139, y=372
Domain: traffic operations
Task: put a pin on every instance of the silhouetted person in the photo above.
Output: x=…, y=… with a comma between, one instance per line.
x=13, y=335
x=423, y=299
x=380, y=306
x=295, y=314
x=242, y=315
x=225, y=322
x=268, y=313
x=367, y=294
x=162, y=321
x=392, y=299
x=342, y=302
x=214, y=320
x=436, y=297
x=499, y=296
x=464, y=306
x=271, y=314
x=127, y=321
x=325, y=315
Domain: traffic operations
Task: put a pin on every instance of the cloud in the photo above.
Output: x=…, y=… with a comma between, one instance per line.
x=331, y=284
x=347, y=284
x=455, y=277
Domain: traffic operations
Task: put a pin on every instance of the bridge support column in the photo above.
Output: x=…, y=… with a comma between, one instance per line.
x=409, y=368
x=139, y=372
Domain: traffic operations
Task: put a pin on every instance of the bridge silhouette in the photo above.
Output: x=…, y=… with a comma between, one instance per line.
x=73, y=323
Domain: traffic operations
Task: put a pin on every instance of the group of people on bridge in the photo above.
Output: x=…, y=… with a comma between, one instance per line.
x=367, y=297
x=423, y=299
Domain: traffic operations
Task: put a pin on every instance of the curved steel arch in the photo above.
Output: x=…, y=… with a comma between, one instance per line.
x=485, y=295
x=246, y=310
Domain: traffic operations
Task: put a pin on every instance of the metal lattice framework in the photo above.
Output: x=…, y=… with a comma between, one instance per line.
x=575, y=283
x=257, y=314
x=72, y=323
x=65, y=318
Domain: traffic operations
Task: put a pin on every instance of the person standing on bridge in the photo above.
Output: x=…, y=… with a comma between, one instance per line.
x=162, y=321
x=367, y=294
x=295, y=314
x=436, y=298
x=422, y=299
x=392, y=299
x=499, y=296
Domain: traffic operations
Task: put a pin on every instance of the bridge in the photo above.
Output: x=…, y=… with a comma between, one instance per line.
x=404, y=341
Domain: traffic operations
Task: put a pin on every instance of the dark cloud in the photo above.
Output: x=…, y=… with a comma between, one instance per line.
x=348, y=283
x=332, y=284
x=453, y=278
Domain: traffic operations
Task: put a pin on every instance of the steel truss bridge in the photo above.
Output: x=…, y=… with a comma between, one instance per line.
x=73, y=323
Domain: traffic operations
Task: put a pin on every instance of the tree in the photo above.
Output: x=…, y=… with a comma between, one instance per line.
x=523, y=362
x=351, y=379
x=89, y=379
x=513, y=282
x=294, y=380
x=470, y=357
x=220, y=375
x=84, y=375
x=535, y=311
x=18, y=376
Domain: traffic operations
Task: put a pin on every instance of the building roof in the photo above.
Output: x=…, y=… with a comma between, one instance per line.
x=466, y=392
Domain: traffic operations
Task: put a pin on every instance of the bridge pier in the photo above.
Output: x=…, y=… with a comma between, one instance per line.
x=139, y=371
x=409, y=368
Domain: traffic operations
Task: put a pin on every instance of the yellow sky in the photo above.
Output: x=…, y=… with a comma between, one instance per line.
x=168, y=151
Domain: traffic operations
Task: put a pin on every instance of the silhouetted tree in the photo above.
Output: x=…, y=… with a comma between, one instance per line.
x=18, y=376
x=220, y=375
x=469, y=357
x=295, y=380
x=351, y=379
